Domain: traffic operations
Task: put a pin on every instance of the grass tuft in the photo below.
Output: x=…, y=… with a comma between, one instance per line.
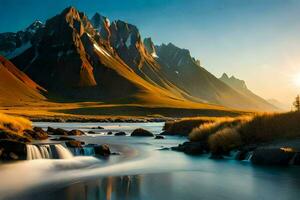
x=14, y=124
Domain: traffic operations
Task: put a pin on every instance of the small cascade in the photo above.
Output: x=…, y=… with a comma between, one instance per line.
x=44, y=149
x=249, y=156
x=33, y=152
x=83, y=151
x=62, y=152
x=55, y=151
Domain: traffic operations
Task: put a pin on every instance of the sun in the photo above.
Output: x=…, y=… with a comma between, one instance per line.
x=296, y=80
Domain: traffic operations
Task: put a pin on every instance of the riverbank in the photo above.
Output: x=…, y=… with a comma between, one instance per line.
x=142, y=171
x=246, y=134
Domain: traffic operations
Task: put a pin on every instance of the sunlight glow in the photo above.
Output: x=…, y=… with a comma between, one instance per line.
x=296, y=80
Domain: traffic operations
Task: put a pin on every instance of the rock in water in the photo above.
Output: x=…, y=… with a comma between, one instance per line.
x=76, y=132
x=74, y=144
x=141, y=133
x=37, y=133
x=159, y=137
x=272, y=156
x=191, y=148
x=120, y=134
x=12, y=150
x=102, y=150
x=57, y=131
x=7, y=135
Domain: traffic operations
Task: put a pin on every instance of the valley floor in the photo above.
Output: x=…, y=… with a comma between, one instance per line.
x=94, y=111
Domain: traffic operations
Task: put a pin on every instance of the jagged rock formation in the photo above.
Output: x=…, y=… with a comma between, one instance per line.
x=241, y=87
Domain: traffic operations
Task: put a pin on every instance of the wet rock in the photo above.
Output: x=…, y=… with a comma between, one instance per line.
x=76, y=132
x=50, y=129
x=75, y=144
x=297, y=159
x=109, y=133
x=216, y=156
x=63, y=139
x=141, y=133
x=273, y=156
x=102, y=150
x=165, y=149
x=120, y=134
x=36, y=134
x=191, y=148
x=7, y=135
x=12, y=150
x=159, y=137
x=58, y=131
x=98, y=127
x=91, y=132
x=241, y=155
x=166, y=133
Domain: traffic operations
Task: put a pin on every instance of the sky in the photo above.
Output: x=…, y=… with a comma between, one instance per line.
x=254, y=40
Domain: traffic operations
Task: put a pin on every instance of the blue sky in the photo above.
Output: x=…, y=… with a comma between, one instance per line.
x=255, y=40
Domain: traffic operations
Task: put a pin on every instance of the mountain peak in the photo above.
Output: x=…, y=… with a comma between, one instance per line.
x=234, y=82
x=224, y=76
x=37, y=24
x=150, y=47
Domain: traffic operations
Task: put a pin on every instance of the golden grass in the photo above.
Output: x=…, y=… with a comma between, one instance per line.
x=14, y=124
x=202, y=132
x=186, y=125
x=224, y=140
x=226, y=134
x=267, y=127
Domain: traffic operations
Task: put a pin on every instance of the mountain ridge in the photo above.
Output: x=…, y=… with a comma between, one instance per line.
x=78, y=58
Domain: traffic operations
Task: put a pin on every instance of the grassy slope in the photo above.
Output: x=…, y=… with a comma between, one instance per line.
x=16, y=88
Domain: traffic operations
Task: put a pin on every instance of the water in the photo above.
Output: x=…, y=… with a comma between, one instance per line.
x=49, y=151
x=143, y=172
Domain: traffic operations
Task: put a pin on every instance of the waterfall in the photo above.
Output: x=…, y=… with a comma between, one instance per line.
x=33, y=152
x=249, y=156
x=83, y=151
x=62, y=152
x=46, y=152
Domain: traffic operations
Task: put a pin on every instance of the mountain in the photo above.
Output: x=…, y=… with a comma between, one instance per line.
x=72, y=60
x=80, y=59
x=241, y=87
x=16, y=87
x=13, y=44
x=186, y=73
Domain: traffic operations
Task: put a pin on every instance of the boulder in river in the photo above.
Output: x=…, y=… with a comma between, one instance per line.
x=273, y=156
x=191, y=148
x=102, y=150
x=57, y=131
x=12, y=150
x=91, y=132
x=63, y=138
x=159, y=137
x=109, y=133
x=8, y=135
x=36, y=134
x=76, y=132
x=74, y=144
x=141, y=133
x=120, y=133
x=98, y=127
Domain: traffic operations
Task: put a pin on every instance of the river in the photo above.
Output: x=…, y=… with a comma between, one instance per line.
x=143, y=172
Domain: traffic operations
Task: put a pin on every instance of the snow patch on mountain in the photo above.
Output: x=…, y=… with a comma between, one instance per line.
x=101, y=50
x=128, y=41
x=18, y=50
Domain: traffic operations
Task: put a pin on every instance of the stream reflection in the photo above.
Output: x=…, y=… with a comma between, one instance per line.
x=125, y=187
